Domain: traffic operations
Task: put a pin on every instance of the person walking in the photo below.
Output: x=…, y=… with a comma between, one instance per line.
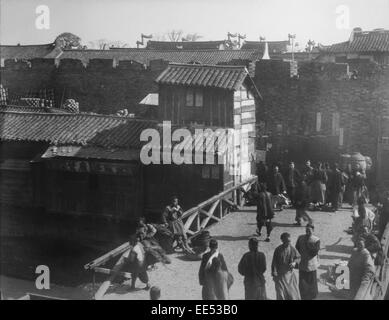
x=308, y=246
x=265, y=212
x=285, y=259
x=302, y=203
x=253, y=266
x=213, y=274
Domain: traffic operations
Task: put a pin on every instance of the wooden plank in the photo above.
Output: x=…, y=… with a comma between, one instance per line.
x=115, y=270
x=127, y=275
x=108, y=256
x=210, y=214
x=190, y=219
x=217, y=197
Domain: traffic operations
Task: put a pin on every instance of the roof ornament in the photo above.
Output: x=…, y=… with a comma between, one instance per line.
x=143, y=36
x=292, y=38
x=266, y=51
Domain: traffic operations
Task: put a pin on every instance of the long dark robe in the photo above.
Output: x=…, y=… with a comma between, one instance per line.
x=252, y=266
x=276, y=183
x=284, y=277
x=213, y=283
x=308, y=247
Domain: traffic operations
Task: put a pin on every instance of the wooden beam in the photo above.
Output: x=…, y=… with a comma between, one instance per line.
x=127, y=275
x=115, y=270
x=217, y=197
x=108, y=256
x=210, y=214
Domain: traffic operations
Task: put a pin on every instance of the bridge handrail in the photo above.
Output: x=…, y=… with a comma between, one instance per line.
x=203, y=217
x=93, y=265
x=219, y=196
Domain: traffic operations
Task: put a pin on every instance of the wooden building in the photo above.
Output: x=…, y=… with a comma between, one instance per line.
x=213, y=96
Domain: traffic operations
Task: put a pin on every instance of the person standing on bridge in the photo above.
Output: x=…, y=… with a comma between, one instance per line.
x=308, y=246
x=285, y=259
x=252, y=266
x=265, y=211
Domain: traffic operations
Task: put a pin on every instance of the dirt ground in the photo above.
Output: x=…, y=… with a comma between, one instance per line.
x=179, y=280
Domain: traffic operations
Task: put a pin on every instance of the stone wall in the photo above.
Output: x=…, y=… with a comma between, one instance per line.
x=348, y=97
x=103, y=86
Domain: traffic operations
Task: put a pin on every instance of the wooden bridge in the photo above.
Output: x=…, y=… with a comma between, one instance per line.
x=236, y=224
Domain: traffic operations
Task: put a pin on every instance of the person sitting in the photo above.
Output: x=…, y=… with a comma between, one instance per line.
x=173, y=214
x=373, y=245
x=150, y=244
x=363, y=218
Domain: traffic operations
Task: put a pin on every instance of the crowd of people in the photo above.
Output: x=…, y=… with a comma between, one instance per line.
x=322, y=185
x=317, y=188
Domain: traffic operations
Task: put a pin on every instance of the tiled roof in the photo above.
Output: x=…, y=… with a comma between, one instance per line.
x=371, y=41
x=225, y=77
x=12, y=108
x=25, y=51
x=75, y=129
x=191, y=45
x=144, y=56
x=274, y=46
x=86, y=152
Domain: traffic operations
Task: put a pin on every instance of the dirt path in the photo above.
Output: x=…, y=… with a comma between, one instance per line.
x=179, y=280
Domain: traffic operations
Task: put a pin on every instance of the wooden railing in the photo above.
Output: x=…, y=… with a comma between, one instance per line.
x=215, y=208
x=195, y=219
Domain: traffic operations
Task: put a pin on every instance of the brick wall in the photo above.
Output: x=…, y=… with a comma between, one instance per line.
x=290, y=108
x=103, y=86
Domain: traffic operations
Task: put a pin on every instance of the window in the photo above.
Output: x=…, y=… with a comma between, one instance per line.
x=189, y=98
x=335, y=123
x=194, y=98
x=318, y=121
x=198, y=98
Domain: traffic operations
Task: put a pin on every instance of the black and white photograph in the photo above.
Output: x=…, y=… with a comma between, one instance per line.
x=180, y=150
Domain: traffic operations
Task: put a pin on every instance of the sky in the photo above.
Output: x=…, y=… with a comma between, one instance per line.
x=125, y=20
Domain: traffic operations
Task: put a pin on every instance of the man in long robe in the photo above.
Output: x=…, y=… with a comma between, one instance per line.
x=292, y=179
x=362, y=271
x=302, y=203
x=308, y=246
x=337, y=187
x=252, y=266
x=265, y=211
x=210, y=277
x=285, y=259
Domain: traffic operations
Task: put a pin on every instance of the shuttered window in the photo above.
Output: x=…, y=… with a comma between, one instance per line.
x=198, y=98
x=189, y=97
